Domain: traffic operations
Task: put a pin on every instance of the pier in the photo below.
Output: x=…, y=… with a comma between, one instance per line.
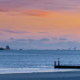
x=65, y=66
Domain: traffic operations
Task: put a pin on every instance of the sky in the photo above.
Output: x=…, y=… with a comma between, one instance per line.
x=40, y=24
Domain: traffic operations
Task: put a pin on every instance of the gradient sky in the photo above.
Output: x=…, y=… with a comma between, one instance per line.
x=40, y=24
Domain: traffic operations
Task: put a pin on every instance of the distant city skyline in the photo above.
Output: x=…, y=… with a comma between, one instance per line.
x=40, y=24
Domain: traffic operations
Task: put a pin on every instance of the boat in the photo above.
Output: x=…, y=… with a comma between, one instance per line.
x=1, y=48
x=7, y=48
x=20, y=49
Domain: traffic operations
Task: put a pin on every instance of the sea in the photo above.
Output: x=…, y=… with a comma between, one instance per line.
x=31, y=61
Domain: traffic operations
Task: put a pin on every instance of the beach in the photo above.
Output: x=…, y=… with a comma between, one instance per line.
x=42, y=76
x=38, y=65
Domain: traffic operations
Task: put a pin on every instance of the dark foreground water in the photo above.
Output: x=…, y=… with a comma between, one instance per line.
x=28, y=61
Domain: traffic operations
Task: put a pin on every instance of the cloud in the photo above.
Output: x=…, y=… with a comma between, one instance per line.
x=11, y=39
x=30, y=40
x=29, y=12
x=4, y=10
x=31, y=43
x=21, y=40
x=1, y=34
x=34, y=12
x=44, y=39
x=1, y=10
x=62, y=39
x=33, y=40
x=42, y=32
x=55, y=39
x=16, y=32
x=41, y=4
x=34, y=44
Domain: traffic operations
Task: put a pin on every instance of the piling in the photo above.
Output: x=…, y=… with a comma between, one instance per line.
x=58, y=62
x=54, y=63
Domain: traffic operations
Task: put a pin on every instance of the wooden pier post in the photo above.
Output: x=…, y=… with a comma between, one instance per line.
x=58, y=62
x=54, y=63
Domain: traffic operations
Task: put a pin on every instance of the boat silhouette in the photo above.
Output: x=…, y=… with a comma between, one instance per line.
x=7, y=48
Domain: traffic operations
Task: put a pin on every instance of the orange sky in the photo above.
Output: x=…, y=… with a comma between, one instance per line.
x=55, y=24
x=40, y=24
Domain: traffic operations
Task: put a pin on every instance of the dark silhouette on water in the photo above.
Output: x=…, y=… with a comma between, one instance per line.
x=65, y=66
x=1, y=48
x=7, y=48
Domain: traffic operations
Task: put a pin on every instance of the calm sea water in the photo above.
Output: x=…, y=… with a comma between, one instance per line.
x=27, y=61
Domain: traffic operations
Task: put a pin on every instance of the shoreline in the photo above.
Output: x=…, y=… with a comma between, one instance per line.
x=30, y=72
x=41, y=75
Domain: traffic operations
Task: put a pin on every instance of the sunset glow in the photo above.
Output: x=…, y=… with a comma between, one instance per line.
x=27, y=22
